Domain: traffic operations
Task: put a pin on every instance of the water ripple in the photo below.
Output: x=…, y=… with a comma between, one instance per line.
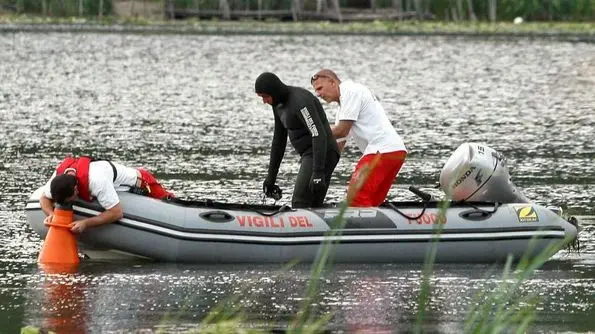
x=184, y=106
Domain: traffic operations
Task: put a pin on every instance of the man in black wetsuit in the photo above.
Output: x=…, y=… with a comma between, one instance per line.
x=299, y=115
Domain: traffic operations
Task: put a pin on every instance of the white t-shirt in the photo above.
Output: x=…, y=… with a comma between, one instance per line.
x=101, y=185
x=371, y=129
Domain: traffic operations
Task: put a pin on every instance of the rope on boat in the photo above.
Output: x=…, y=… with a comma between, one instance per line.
x=496, y=206
x=392, y=206
x=427, y=198
x=283, y=208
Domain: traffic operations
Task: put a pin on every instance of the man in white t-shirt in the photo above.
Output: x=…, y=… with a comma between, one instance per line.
x=90, y=179
x=362, y=117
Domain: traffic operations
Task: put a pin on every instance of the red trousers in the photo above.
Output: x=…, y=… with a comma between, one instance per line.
x=149, y=182
x=374, y=174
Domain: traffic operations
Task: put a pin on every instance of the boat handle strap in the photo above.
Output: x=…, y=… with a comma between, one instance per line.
x=217, y=216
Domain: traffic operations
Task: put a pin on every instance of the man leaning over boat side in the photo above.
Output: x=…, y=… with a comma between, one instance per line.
x=299, y=115
x=362, y=117
x=89, y=179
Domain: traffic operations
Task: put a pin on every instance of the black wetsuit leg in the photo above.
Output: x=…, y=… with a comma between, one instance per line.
x=332, y=158
x=302, y=196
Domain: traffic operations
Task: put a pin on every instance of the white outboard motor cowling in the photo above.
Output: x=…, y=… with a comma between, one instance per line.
x=477, y=173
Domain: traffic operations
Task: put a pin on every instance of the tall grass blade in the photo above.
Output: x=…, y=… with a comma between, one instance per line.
x=322, y=262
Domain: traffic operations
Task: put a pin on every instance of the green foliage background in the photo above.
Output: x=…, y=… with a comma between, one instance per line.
x=506, y=10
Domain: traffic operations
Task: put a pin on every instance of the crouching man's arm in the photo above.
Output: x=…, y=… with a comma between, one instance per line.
x=106, y=217
x=47, y=205
x=102, y=188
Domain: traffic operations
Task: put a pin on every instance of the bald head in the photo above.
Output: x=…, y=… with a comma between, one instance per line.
x=326, y=85
x=324, y=73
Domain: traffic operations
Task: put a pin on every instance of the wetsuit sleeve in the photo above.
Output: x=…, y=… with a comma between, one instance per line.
x=311, y=118
x=277, y=148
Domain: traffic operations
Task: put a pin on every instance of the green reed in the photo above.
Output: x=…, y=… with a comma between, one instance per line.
x=35, y=330
x=503, y=309
x=428, y=268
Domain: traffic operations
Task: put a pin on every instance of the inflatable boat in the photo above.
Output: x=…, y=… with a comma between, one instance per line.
x=486, y=219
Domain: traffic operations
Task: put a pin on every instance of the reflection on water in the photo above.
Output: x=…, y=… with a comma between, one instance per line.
x=103, y=298
x=184, y=107
x=111, y=297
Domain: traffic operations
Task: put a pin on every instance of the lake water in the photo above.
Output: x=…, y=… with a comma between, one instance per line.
x=184, y=107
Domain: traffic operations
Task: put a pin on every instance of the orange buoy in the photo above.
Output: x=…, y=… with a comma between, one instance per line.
x=59, y=246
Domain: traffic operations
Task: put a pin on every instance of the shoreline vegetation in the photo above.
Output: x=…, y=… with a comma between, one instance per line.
x=572, y=21
x=574, y=31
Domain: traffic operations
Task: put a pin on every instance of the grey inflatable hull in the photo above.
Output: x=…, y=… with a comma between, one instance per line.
x=207, y=232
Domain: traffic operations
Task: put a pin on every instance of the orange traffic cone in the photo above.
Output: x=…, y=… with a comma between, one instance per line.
x=59, y=246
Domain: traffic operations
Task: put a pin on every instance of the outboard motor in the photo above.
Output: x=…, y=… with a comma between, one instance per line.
x=477, y=173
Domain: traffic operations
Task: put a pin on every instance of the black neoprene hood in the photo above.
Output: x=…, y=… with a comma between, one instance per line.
x=268, y=83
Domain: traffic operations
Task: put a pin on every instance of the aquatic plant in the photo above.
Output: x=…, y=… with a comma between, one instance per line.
x=35, y=330
x=303, y=321
x=428, y=268
x=504, y=308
